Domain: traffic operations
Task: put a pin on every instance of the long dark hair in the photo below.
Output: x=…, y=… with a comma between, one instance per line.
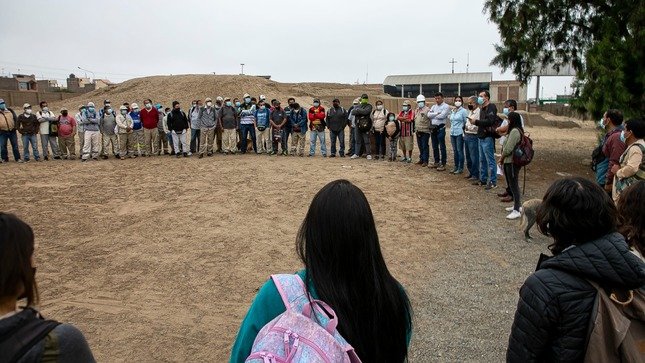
x=631, y=215
x=340, y=248
x=575, y=211
x=16, y=249
x=515, y=122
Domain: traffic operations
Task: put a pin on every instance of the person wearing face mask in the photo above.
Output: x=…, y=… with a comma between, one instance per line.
x=392, y=130
x=127, y=139
x=438, y=115
x=162, y=138
x=406, y=138
x=351, y=121
x=317, y=124
x=263, y=128
x=422, y=129
x=247, y=124
x=229, y=123
x=195, y=134
x=337, y=121
x=379, y=117
x=457, y=123
x=137, y=129
x=80, y=129
x=363, y=121
x=471, y=140
x=107, y=103
x=28, y=126
x=48, y=131
x=8, y=125
x=107, y=125
x=486, y=132
x=278, y=122
x=509, y=106
x=92, y=145
x=219, y=103
x=66, y=134
x=287, y=126
x=631, y=167
x=613, y=148
x=207, y=124
x=298, y=121
x=149, y=120
x=179, y=124
x=167, y=131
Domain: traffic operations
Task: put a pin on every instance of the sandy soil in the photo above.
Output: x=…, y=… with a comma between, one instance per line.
x=158, y=259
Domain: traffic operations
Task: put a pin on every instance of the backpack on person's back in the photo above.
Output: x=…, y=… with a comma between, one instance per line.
x=523, y=153
x=305, y=332
x=617, y=329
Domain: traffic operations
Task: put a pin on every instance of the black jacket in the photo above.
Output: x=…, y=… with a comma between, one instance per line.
x=363, y=112
x=177, y=121
x=336, y=119
x=556, y=302
x=487, y=117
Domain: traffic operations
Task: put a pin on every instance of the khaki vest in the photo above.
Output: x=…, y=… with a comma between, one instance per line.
x=7, y=123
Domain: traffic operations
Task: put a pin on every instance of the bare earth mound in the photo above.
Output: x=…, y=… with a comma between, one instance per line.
x=158, y=259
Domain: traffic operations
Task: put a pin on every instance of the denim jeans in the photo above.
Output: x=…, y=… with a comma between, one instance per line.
x=194, y=140
x=472, y=154
x=601, y=172
x=352, y=141
x=487, y=164
x=379, y=138
x=33, y=139
x=457, y=143
x=424, y=149
x=245, y=131
x=340, y=135
x=320, y=135
x=12, y=137
x=439, y=145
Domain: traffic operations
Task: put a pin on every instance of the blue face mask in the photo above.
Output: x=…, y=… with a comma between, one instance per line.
x=505, y=111
x=238, y=104
x=247, y=100
x=480, y=100
x=3, y=106
x=421, y=104
x=91, y=109
x=228, y=103
x=601, y=124
x=622, y=137
x=316, y=104
x=405, y=108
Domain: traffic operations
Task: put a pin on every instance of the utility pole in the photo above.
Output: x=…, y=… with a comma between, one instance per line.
x=242, y=64
x=467, y=62
x=87, y=70
x=453, y=64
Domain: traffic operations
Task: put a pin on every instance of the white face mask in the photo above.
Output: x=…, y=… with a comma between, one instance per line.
x=148, y=106
x=209, y=104
x=379, y=107
x=28, y=111
x=458, y=104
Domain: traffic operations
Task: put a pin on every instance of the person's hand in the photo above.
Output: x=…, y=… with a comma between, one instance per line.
x=615, y=168
x=128, y=129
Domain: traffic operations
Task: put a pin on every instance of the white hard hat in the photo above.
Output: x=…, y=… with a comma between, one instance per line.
x=263, y=97
x=123, y=108
x=134, y=105
x=219, y=98
x=90, y=104
x=421, y=98
x=26, y=105
x=246, y=95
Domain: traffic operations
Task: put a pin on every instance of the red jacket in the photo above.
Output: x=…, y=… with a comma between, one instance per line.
x=613, y=149
x=316, y=115
x=150, y=119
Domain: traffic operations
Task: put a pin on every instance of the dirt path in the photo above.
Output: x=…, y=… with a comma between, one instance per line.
x=158, y=259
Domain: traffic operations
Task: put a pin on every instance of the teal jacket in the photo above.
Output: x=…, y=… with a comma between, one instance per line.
x=266, y=307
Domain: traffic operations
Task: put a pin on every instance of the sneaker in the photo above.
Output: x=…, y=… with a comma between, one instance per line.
x=332, y=155
x=420, y=162
x=506, y=199
x=510, y=209
x=514, y=215
x=189, y=154
x=459, y=171
x=47, y=158
x=355, y=156
x=95, y=159
x=441, y=168
x=369, y=157
x=178, y=155
x=19, y=161
x=479, y=183
x=324, y=155
x=83, y=160
x=468, y=177
x=490, y=186
x=409, y=160
x=56, y=157
x=104, y=157
x=342, y=155
x=310, y=155
x=435, y=165
x=376, y=157
x=209, y=154
x=502, y=194
x=404, y=159
x=201, y=156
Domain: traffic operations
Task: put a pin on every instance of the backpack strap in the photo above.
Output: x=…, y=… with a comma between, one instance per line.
x=292, y=291
x=17, y=342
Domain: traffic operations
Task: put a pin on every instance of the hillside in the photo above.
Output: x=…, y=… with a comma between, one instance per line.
x=184, y=88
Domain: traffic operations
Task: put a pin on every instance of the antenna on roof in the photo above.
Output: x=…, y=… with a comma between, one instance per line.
x=453, y=61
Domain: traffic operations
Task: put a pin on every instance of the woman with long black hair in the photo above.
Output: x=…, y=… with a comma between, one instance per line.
x=512, y=171
x=344, y=267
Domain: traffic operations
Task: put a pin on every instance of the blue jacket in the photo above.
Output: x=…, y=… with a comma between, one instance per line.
x=262, y=118
x=136, y=120
x=299, y=119
x=458, y=121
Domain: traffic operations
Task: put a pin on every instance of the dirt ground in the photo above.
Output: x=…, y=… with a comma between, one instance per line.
x=158, y=259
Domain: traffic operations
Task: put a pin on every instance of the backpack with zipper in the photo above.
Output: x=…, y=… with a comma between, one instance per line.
x=305, y=332
x=523, y=153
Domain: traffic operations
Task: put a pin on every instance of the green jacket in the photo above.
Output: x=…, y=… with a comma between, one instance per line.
x=514, y=137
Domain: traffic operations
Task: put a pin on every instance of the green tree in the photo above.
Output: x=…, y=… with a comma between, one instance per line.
x=601, y=39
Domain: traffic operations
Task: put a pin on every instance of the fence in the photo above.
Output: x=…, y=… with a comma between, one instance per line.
x=16, y=99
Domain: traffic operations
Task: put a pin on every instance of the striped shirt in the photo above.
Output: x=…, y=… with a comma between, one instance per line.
x=407, y=128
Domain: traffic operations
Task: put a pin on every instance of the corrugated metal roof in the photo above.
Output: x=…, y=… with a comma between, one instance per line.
x=482, y=77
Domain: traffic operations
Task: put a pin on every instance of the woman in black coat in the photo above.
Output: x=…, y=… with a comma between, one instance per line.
x=556, y=302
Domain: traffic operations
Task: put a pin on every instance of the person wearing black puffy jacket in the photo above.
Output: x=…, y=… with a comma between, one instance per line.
x=554, y=311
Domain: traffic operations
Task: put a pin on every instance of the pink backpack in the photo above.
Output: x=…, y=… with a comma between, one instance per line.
x=296, y=335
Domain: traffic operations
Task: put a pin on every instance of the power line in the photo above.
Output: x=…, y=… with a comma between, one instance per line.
x=69, y=69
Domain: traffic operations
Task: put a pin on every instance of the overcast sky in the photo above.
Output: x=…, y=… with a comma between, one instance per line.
x=293, y=41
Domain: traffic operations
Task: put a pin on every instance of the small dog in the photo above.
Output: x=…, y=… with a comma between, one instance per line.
x=529, y=213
